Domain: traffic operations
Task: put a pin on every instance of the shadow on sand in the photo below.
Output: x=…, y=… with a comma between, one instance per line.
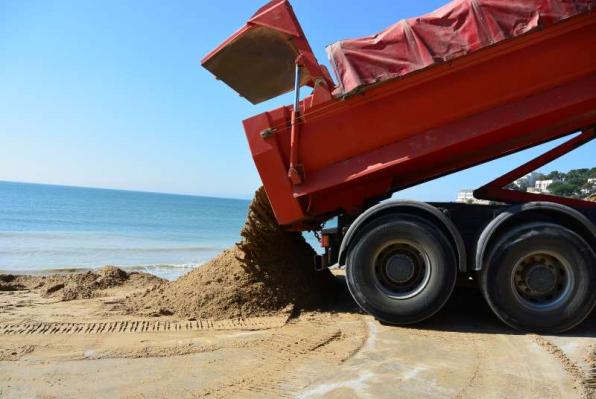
x=465, y=312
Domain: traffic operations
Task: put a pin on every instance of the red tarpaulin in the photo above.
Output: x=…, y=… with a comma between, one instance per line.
x=456, y=29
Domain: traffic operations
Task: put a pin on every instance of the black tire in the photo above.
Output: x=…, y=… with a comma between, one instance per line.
x=553, y=304
x=381, y=277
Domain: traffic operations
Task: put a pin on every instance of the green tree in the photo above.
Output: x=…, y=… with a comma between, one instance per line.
x=554, y=175
x=563, y=189
x=577, y=177
x=572, y=184
x=523, y=186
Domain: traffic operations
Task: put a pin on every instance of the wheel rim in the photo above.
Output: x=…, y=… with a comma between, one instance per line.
x=401, y=269
x=542, y=280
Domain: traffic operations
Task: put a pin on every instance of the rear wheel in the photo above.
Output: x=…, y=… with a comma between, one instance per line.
x=540, y=277
x=402, y=270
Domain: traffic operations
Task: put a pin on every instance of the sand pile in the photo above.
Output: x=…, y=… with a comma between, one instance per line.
x=268, y=271
x=10, y=282
x=68, y=287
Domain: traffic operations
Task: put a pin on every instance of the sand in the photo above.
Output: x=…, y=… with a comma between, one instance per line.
x=94, y=348
x=269, y=271
x=72, y=286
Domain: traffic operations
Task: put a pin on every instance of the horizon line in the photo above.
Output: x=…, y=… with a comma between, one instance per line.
x=125, y=190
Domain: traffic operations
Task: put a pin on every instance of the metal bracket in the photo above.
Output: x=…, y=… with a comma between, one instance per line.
x=266, y=133
x=295, y=170
x=494, y=190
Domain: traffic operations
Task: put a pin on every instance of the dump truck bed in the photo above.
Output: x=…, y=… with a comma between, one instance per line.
x=350, y=152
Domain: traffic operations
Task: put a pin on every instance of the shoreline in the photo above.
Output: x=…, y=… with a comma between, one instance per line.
x=151, y=269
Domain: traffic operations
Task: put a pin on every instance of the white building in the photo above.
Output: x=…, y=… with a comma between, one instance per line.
x=542, y=185
x=467, y=197
x=533, y=190
x=528, y=180
x=590, y=186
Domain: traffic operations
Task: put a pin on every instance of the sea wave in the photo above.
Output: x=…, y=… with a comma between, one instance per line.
x=167, y=271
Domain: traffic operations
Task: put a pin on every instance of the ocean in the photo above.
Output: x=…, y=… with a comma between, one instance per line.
x=45, y=228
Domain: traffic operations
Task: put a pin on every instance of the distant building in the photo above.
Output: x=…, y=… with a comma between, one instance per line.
x=467, y=197
x=534, y=190
x=528, y=180
x=590, y=186
x=542, y=185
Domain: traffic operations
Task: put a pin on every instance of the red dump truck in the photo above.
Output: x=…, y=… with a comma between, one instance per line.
x=471, y=82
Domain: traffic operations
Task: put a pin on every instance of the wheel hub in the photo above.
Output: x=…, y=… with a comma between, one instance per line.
x=400, y=268
x=541, y=279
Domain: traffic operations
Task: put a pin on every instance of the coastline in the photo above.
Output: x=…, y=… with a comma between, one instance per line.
x=167, y=272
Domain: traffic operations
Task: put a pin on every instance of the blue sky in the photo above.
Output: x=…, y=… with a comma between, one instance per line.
x=111, y=94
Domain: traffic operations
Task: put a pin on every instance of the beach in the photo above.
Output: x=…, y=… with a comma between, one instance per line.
x=50, y=347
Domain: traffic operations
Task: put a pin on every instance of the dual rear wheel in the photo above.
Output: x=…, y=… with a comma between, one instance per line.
x=540, y=277
x=537, y=277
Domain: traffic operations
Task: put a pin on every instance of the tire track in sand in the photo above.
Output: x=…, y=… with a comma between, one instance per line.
x=590, y=380
x=580, y=379
x=277, y=372
x=141, y=326
x=472, y=382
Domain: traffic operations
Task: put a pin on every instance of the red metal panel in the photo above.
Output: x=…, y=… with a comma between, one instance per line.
x=277, y=185
x=258, y=60
x=496, y=130
x=539, y=122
